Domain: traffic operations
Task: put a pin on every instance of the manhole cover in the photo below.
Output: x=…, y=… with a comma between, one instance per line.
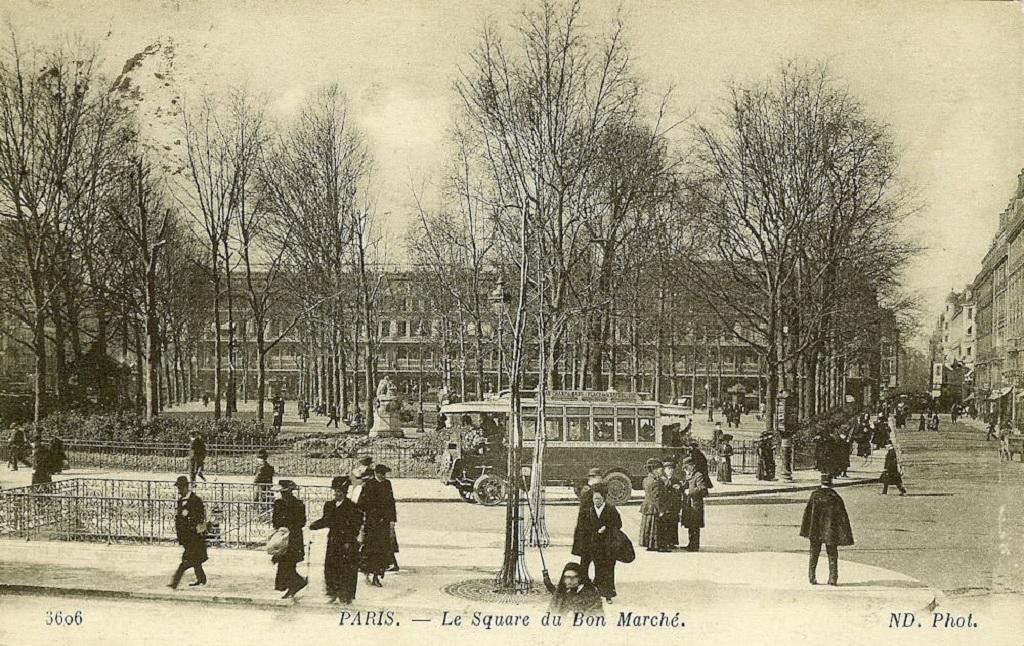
x=483, y=590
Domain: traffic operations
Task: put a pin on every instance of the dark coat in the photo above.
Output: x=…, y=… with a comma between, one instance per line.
x=197, y=449
x=291, y=513
x=377, y=501
x=891, y=470
x=264, y=474
x=825, y=519
x=586, y=502
x=673, y=497
x=692, y=513
x=654, y=495
x=593, y=543
x=41, y=465
x=189, y=514
x=585, y=600
x=700, y=461
x=343, y=523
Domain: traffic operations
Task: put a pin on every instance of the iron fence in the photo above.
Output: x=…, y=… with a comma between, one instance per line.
x=141, y=511
x=320, y=460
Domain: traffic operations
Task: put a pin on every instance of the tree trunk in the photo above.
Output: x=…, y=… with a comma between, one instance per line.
x=152, y=340
x=218, y=349
x=39, y=349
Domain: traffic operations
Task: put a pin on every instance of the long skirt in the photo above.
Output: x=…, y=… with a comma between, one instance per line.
x=341, y=570
x=725, y=469
x=668, y=530
x=378, y=549
x=649, y=535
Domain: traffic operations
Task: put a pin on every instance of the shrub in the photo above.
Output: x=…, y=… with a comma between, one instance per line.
x=128, y=427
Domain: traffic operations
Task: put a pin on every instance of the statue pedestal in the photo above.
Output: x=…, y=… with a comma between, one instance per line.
x=387, y=418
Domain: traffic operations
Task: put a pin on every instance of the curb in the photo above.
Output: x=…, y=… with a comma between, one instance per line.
x=807, y=487
x=55, y=591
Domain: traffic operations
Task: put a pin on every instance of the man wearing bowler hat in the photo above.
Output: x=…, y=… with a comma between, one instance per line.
x=264, y=478
x=190, y=529
x=289, y=512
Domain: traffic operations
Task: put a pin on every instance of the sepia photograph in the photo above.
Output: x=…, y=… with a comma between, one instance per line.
x=528, y=322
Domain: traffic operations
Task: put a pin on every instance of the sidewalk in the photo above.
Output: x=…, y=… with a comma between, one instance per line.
x=432, y=490
x=432, y=561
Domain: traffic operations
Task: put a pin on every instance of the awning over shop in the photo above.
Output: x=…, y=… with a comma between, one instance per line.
x=999, y=393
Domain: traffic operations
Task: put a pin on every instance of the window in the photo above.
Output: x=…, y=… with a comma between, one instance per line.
x=553, y=426
x=577, y=427
x=385, y=328
x=647, y=431
x=626, y=429
x=402, y=328
x=529, y=426
x=604, y=429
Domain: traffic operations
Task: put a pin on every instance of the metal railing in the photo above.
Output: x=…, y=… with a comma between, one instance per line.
x=326, y=460
x=141, y=511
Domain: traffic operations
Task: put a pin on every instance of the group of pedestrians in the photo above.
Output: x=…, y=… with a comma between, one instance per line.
x=47, y=458
x=360, y=520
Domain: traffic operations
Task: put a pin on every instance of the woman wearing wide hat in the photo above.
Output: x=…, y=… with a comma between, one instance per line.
x=651, y=508
x=289, y=512
x=343, y=519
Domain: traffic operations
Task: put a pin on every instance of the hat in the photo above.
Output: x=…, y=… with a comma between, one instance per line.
x=262, y=453
x=366, y=460
x=653, y=463
x=382, y=468
x=286, y=485
x=181, y=480
x=727, y=437
x=340, y=482
x=826, y=479
x=595, y=472
x=669, y=463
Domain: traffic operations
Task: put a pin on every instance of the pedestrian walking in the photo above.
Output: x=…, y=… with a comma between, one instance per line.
x=920, y=423
x=825, y=523
x=190, y=530
x=196, y=456
x=725, y=459
x=692, y=511
x=332, y=416
x=344, y=521
x=41, y=462
x=892, y=472
x=377, y=503
x=668, y=523
x=586, y=496
x=289, y=512
x=766, y=457
x=17, y=446
x=263, y=478
x=602, y=525
x=651, y=508
x=575, y=594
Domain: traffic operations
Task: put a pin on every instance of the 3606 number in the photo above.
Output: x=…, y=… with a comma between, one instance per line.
x=60, y=618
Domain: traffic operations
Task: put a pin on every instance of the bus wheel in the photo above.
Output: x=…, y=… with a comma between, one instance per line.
x=490, y=490
x=620, y=488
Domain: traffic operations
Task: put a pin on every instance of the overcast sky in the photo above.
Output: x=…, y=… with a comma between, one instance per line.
x=948, y=77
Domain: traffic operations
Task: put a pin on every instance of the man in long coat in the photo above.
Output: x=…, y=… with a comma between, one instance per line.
x=263, y=478
x=891, y=472
x=289, y=512
x=190, y=529
x=344, y=520
x=825, y=522
x=691, y=514
x=766, y=457
x=668, y=524
x=196, y=457
x=40, y=462
x=16, y=448
x=378, y=505
x=594, y=476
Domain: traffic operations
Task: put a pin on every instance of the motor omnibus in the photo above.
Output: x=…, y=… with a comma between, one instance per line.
x=613, y=431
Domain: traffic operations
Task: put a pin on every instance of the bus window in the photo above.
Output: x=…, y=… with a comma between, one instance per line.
x=647, y=431
x=529, y=427
x=604, y=429
x=577, y=427
x=553, y=428
x=627, y=429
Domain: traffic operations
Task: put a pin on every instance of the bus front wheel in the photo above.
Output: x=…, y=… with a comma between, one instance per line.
x=620, y=488
x=490, y=490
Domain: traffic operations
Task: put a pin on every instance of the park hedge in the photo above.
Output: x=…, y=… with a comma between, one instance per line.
x=129, y=427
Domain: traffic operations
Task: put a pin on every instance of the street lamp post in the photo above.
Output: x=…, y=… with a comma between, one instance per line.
x=513, y=578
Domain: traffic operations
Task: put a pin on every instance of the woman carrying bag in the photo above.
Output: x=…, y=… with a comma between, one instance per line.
x=601, y=533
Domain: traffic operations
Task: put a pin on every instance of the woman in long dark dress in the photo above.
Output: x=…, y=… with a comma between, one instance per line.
x=343, y=519
x=599, y=525
x=574, y=593
x=725, y=463
x=378, y=505
x=651, y=509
